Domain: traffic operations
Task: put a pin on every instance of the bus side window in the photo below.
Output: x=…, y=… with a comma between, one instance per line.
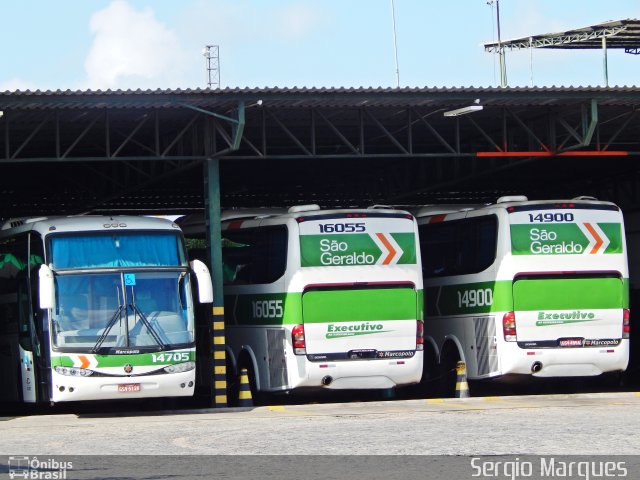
x=487, y=242
x=458, y=247
x=14, y=292
x=255, y=255
x=439, y=248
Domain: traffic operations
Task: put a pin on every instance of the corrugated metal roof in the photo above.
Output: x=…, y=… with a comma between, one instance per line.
x=228, y=98
x=141, y=150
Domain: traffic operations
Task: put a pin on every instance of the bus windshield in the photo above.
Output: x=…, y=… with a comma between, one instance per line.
x=146, y=309
x=115, y=249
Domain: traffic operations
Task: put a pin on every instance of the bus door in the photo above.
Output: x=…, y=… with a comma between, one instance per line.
x=26, y=340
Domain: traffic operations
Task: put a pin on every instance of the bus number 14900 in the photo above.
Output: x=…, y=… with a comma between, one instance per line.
x=551, y=217
x=475, y=298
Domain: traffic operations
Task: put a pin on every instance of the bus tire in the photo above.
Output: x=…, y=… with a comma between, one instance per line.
x=448, y=374
x=232, y=383
x=429, y=372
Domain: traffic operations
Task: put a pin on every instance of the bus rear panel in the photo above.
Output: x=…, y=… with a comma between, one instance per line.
x=346, y=311
x=570, y=313
x=528, y=288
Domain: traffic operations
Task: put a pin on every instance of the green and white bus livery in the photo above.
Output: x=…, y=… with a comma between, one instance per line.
x=97, y=308
x=522, y=287
x=323, y=298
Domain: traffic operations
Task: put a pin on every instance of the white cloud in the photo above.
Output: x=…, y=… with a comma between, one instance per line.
x=16, y=84
x=298, y=20
x=132, y=49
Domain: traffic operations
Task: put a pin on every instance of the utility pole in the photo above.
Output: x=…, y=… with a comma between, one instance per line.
x=395, y=43
x=501, y=57
x=503, y=66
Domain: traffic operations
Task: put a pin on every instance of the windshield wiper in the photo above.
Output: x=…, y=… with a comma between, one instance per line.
x=116, y=316
x=107, y=329
x=146, y=321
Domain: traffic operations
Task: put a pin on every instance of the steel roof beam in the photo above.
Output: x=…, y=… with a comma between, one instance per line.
x=560, y=40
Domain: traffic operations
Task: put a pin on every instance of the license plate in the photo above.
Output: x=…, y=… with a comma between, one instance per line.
x=362, y=353
x=570, y=342
x=129, y=387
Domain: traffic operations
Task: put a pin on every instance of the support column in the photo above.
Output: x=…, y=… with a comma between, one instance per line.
x=216, y=330
x=605, y=67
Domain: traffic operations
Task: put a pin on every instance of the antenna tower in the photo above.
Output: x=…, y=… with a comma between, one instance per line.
x=212, y=56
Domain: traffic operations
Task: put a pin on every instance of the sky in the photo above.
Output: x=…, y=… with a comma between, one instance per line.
x=158, y=44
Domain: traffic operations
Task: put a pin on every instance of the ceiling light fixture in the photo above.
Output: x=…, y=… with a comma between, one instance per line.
x=463, y=110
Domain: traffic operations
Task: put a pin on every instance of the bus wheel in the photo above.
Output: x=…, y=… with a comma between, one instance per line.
x=430, y=373
x=233, y=378
x=448, y=375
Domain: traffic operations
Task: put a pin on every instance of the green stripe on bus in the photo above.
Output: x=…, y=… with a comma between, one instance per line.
x=420, y=305
x=359, y=305
x=568, y=293
x=468, y=298
x=550, y=294
x=278, y=309
x=160, y=359
x=263, y=309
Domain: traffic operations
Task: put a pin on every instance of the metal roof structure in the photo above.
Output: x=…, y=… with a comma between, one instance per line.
x=65, y=152
x=619, y=34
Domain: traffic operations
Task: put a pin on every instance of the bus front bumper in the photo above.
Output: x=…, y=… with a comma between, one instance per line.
x=71, y=388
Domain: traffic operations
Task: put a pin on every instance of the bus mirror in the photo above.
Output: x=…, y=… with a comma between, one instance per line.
x=46, y=287
x=203, y=277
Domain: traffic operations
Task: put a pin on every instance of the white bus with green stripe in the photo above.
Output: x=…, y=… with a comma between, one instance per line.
x=525, y=288
x=96, y=308
x=323, y=299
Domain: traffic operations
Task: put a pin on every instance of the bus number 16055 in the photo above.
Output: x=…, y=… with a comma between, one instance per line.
x=342, y=227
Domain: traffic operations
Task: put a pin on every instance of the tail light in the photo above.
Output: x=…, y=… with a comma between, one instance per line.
x=509, y=326
x=626, y=326
x=420, y=336
x=297, y=338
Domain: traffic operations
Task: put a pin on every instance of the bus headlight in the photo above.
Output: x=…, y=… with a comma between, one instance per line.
x=180, y=367
x=73, y=371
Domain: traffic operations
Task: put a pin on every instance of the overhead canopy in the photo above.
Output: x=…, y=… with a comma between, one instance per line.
x=618, y=33
x=67, y=152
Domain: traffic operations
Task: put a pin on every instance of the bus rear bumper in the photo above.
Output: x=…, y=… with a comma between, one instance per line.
x=567, y=362
x=363, y=374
